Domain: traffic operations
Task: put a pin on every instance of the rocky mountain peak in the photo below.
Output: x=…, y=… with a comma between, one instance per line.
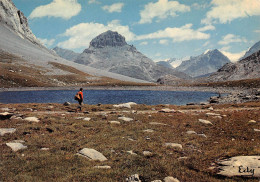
x=15, y=20
x=108, y=39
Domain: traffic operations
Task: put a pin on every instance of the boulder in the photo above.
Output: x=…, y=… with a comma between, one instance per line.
x=32, y=119
x=243, y=166
x=156, y=123
x=66, y=103
x=205, y=121
x=5, y=115
x=102, y=167
x=167, y=110
x=92, y=154
x=126, y=105
x=173, y=145
x=148, y=130
x=147, y=153
x=191, y=132
x=133, y=178
x=4, y=131
x=114, y=122
x=171, y=179
x=16, y=146
x=125, y=119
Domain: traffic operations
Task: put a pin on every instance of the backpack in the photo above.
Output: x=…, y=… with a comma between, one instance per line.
x=77, y=97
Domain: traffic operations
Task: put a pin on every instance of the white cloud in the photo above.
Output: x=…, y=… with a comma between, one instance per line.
x=206, y=28
x=57, y=8
x=93, y=2
x=206, y=43
x=231, y=38
x=164, y=42
x=199, y=6
x=224, y=11
x=234, y=57
x=161, y=10
x=184, y=33
x=257, y=31
x=47, y=42
x=117, y=7
x=144, y=43
x=80, y=35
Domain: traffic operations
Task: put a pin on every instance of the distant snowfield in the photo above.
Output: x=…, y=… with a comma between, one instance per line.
x=12, y=43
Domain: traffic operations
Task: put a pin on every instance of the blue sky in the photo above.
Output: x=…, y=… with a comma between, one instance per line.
x=160, y=29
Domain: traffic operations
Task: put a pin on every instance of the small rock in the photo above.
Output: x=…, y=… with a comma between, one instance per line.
x=44, y=149
x=191, y=132
x=156, y=123
x=148, y=131
x=92, y=154
x=125, y=119
x=182, y=158
x=102, y=167
x=211, y=108
x=133, y=178
x=4, y=131
x=131, y=152
x=167, y=110
x=126, y=105
x=114, y=122
x=5, y=109
x=212, y=114
x=257, y=130
x=171, y=179
x=87, y=119
x=252, y=121
x=205, y=121
x=32, y=119
x=5, y=115
x=66, y=103
x=173, y=145
x=202, y=135
x=156, y=180
x=147, y=153
x=16, y=146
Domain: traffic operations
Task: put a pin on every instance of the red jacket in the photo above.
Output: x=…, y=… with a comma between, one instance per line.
x=80, y=95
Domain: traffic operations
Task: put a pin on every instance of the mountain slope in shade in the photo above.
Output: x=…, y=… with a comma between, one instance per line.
x=109, y=51
x=66, y=54
x=247, y=68
x=165, y=64
x=253, y=49
x=203, y=64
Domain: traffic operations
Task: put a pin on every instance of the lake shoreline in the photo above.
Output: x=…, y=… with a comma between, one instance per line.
x=153, y=88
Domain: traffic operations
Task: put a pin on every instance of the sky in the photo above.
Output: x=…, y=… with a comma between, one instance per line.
x=160, y=29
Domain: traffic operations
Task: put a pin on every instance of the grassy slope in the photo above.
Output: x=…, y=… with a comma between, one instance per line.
x=16, y=72
x=70, y=135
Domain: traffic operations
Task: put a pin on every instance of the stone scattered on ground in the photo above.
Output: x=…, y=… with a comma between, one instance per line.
x=257, y=130
x=244, y=166
x=191, y=132
x=202, y=135
x=114, y=122
x=45, y=149
x=205, y=121
x=87, y=119
x=173, y=145
x=147, y=153
x=67, y=103
x=156, y=123
x=4, y=131
x=133, y=178
x=171, y=179
x=92, y=154
x=252, y=121
x=211, y=108
x=148, y=130
x=5, y=115
x=32, y=119
x=212, y=114
x=126, y=105
x=15, y=146
x=156, y=181
x=125, y=119
x=131, y=152
x=5, y=109
x=102, y=167
x=167, y=110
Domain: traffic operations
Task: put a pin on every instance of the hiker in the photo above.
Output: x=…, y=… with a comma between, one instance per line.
x=79, y=98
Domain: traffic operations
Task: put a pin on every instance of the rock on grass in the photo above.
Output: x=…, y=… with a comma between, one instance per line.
x=16, y=146
x=92, y=154
x=4, y=131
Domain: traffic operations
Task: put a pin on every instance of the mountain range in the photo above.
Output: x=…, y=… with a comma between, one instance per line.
x=109, y=51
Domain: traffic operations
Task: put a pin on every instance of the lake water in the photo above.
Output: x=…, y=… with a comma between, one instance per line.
x=94, y=97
